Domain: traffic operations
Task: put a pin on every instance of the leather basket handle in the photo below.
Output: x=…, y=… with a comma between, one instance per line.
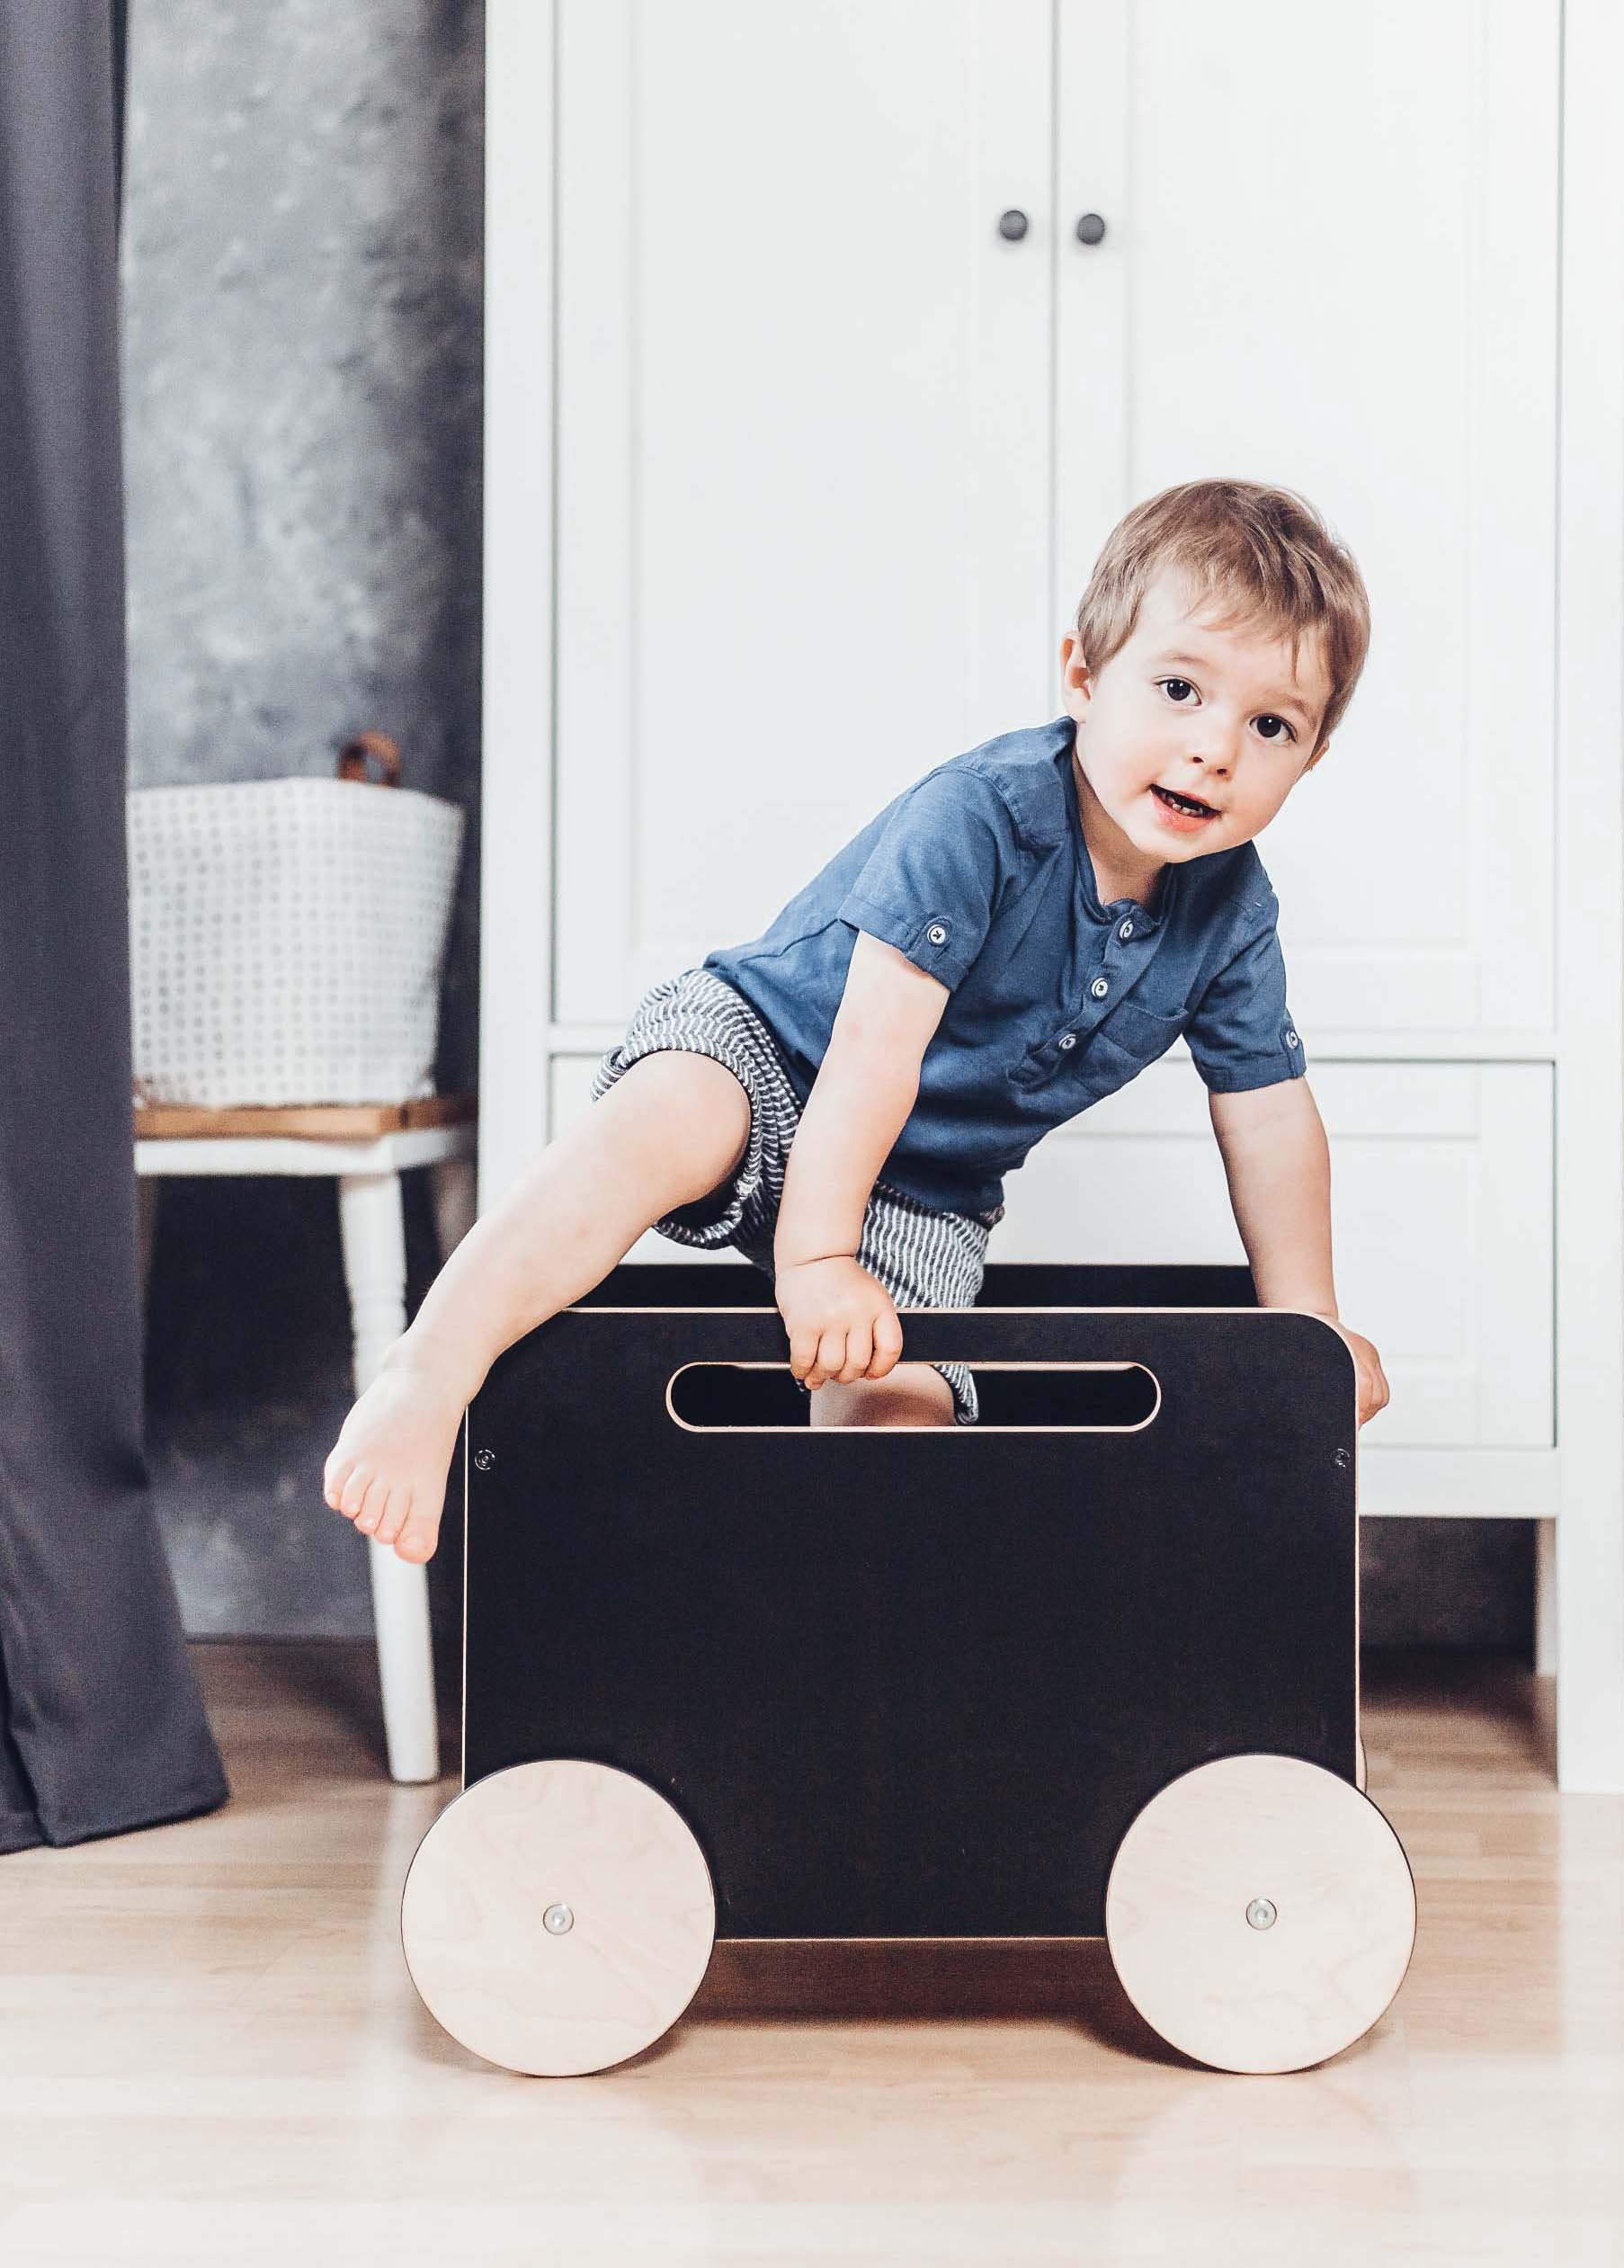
x=370, y=748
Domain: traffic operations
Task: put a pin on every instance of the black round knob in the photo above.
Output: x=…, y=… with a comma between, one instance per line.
x=1091, y=228
x=1012, y=225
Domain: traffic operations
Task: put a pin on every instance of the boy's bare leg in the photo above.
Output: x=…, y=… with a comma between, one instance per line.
x=670, y=1130
x=913, y=1394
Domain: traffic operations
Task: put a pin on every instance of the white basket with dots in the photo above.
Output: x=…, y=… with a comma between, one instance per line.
x=287, y=937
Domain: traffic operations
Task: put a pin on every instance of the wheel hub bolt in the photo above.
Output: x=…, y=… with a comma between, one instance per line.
x=1261, y=1914
x=558, y=1919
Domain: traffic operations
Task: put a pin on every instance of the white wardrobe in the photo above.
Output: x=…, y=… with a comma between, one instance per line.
x=826, y=342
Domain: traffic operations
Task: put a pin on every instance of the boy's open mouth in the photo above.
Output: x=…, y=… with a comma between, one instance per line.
x=1191, y=806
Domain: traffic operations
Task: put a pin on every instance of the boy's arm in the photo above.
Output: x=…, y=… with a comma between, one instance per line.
x=865, y=1088
x=840, y=1323
x=1278, y=1163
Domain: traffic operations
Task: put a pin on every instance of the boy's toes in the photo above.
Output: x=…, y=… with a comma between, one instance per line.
x=376, y=1506
x=416, y=1538
x=393, y=1517
x=334, y=1474
x=353, y=1494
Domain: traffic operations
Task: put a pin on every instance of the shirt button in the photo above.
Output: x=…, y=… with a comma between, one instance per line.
x=1069, y=1038
x=1100, y=987
x=936, y=933
x=1126, y=932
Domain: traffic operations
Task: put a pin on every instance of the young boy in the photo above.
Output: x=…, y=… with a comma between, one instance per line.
x=1014, y=937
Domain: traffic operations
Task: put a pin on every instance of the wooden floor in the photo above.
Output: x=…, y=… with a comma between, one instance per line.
x=210, y=2050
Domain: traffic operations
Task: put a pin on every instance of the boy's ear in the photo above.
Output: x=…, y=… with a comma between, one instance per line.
x=1313, y=759
x=1071, y=660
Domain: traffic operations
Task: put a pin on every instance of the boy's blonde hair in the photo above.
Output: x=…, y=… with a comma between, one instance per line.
x=1262, y=554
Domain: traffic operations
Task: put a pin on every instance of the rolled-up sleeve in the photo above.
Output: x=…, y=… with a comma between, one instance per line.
x=1241, y=1031
x=931, y=882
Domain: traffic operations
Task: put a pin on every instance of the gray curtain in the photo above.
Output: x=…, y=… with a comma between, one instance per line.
x=102, y=1726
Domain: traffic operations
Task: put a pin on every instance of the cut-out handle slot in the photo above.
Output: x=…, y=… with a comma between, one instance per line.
x=1071, y=1398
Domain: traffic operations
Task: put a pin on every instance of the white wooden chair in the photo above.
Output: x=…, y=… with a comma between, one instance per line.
x=366, y=1146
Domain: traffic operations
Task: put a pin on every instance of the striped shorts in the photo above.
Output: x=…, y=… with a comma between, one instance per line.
x=921, y=1257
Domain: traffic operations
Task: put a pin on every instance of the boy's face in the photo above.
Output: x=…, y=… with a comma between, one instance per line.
x=1213, y=714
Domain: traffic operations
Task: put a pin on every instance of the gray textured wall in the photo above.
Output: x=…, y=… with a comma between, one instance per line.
x=302, y=239
x=302, y=263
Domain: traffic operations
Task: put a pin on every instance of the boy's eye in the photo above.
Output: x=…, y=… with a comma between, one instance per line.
x=1270, y=726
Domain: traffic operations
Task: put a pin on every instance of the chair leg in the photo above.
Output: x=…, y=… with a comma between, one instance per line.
x=374, y=1252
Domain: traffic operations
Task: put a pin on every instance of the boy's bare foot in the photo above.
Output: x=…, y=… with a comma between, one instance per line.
x=388, y=1469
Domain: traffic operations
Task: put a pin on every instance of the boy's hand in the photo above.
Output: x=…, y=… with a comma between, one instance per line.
x=1373, y=1393
x=841, y=1325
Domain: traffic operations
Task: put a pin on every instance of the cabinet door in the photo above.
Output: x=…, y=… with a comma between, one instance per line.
x=803, y=474
x=1442, y=1222
x=1330, y=262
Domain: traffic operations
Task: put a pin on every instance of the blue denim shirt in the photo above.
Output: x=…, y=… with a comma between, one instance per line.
x=979, y=872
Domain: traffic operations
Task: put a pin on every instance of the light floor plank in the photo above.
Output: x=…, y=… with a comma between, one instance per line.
x=212, y=2051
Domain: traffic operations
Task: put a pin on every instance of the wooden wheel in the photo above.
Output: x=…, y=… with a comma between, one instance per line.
x=1261, y=1914
x=557, y=1917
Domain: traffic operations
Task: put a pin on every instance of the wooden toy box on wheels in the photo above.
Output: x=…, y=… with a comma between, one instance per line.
x=1089, y=1667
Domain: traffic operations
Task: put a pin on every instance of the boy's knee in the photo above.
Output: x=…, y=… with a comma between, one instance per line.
x=689, y=1112
x=913, y=1394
